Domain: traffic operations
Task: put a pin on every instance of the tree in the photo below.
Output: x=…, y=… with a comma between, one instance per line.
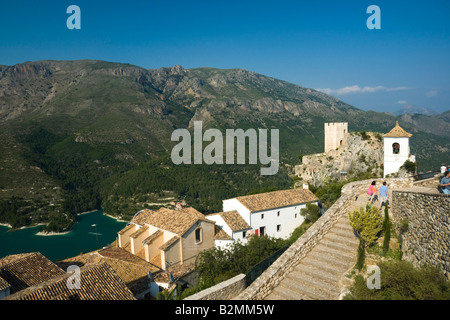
x=387, y=230
x=311, y=212
x=366, y=223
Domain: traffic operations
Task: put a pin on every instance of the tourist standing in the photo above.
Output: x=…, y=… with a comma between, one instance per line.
x=443, y=169
x=372, y=192
x=384, y=195
x=445, y=183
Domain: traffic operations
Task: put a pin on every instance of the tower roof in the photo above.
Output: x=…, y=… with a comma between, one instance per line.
x=397, y=132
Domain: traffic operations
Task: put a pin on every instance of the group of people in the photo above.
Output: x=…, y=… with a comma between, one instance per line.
x=445, y=180
x=384, y=194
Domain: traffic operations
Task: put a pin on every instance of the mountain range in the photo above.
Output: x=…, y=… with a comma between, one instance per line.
x=80, y=135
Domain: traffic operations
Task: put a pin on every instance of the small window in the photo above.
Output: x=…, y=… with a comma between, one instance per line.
x=278, y=213
x=198, y=235
x=279, y=227
x=395, y=148
x=244, y=234
x=262, y=216
x=295, y=216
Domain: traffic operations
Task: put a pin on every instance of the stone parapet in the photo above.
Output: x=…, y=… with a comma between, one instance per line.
x=426, y=218
x=225, y=290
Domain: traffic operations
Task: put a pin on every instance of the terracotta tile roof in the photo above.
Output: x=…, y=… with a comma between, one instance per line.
x=28, y=270
x=128, y=266
x=152, y=237
x=13, y=257
x=128, y=227
x=177, y=271
x=167, y=244
x=277, y=199
x=4, y=284
x=139, y=232
x=220, y=234
x=397, y=132
x=176, y=221
x=233, y=219
x=98, y=282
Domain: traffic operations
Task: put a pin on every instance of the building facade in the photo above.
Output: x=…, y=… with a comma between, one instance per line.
x=167, y=237
x=275, y=214
x=334, y=135
x=396, y=149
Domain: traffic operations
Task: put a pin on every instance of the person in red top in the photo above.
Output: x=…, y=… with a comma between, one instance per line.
x=372, y=191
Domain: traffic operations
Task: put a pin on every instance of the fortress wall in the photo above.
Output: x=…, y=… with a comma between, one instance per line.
x=334, y=134
x=427, y=238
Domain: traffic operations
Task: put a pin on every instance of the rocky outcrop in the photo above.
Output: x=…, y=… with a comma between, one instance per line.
x=359, y=153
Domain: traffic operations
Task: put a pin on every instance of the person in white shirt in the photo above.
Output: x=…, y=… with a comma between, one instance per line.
x=443, y=168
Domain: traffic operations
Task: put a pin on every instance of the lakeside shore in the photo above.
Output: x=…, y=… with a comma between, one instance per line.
x=52, y=233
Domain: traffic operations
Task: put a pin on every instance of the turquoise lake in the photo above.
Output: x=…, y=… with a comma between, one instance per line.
x=83, y=238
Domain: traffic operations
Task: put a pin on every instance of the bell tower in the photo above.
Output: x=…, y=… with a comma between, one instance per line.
x=396, y=149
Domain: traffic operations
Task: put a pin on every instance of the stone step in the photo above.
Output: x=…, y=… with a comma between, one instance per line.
x=292, y=291
x=344, y=225
x=339, y=246
x=339, y=254
x=321, y=273
x=331, y=289
x=277, y=295
x=349, y=241
x=328, y=259
x=343, y=233
x=325, y=265
x=304, y=289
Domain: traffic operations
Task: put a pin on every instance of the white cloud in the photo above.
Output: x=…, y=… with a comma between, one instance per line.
x=402, y=102
x=358, y=89
x=431, y=93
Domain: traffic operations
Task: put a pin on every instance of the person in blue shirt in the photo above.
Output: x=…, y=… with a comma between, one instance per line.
x=384, y=194
x=445, y=183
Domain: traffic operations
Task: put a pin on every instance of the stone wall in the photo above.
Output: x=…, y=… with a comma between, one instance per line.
x=427, y=239
x=223, y=291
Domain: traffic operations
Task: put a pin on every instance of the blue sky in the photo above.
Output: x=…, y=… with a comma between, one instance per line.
x=317, y=44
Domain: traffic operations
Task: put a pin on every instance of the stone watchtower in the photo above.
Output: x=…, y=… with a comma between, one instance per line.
x=334, y=135
x=396, y=149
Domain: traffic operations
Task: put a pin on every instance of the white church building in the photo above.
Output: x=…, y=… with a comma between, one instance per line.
x=396, y=149
x=275, y=214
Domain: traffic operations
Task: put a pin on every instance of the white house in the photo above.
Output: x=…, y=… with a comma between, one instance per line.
x=275, y=214
x=396, y=149
x=230, y=226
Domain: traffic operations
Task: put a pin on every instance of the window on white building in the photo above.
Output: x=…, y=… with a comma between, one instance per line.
x=395, y=148
x=278, y=213
x=279, y=227
x=262, y=216
x=198, y=235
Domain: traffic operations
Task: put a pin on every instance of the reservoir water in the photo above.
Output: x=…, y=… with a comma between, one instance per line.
x=92, y=231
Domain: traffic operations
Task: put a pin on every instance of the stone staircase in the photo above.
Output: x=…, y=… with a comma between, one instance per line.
x=319, y=274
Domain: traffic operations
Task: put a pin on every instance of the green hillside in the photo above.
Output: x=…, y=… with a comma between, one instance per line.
x=79, y=135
